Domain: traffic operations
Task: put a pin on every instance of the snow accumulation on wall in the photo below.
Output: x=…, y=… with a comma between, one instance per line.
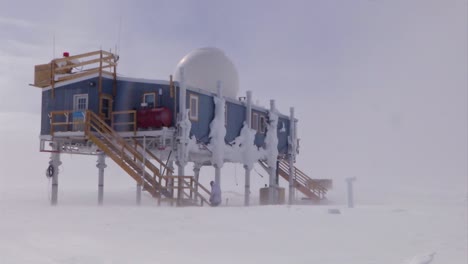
x=218, y=133
x=241, y=150
x=271, y=140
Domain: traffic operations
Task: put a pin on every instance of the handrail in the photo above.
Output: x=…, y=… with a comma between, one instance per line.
x=69, y=120
x=302, y=181
x=146, y=176
x=155, y=158
x=60, y=69
x=182, y=183
x=125, y=146
x=133, y=123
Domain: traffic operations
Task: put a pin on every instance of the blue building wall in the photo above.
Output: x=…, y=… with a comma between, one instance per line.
x=201, y=126
x=129, y=96
x=63, y=100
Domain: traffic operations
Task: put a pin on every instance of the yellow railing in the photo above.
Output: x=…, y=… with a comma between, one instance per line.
x=129, y=113
x=70, y=120
x=183, y=183
x=61, y=69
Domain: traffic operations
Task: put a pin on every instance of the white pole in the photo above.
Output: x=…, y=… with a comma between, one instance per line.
x=349, y=182
x=248, y=120
x=55, y=163
x=181, y=162
x=101, y=165
x=142, y=176
x=292, y=156
x=273, y=186
x=247, y=186
x=196, y=173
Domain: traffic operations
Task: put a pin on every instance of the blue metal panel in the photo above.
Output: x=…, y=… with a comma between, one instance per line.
x=201, y=127
x=260, y=136
x=283, y=133
x=129, y=95
x=235, y=120
x=63, y=100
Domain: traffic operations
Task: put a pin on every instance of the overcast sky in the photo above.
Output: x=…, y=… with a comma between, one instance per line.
x=379, y=87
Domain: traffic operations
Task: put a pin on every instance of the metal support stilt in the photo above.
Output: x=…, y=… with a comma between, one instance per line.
x=55, y=163
x=196, y=173
x=138, y=194
x=349, y=182
x=101, y=165
x=218, y=179
x=247, y=186
x=180, y=172
x=272, y=194
x=292, y=155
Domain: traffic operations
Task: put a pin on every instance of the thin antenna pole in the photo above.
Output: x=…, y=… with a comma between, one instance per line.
x=117, y=46
x=53, y=45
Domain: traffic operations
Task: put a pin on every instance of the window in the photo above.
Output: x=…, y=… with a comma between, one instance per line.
x=149, y=99
x=193, y=115
x=254, y=121
x=80, y=102
x=262, y=124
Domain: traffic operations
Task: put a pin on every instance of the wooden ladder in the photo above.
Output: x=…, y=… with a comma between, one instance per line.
x=311, y=188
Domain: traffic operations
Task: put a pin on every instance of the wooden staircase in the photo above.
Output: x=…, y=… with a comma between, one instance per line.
x=138, y=163
x=311, y=188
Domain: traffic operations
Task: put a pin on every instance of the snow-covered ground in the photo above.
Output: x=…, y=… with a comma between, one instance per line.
x=401, y=227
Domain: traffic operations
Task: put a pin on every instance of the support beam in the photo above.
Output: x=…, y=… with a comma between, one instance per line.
x=247, y=186
x=218, y=180
x=196, y=173
x=54, y=163
x=101, y=165
x=273, y=156
x=349, y=182
x=138, y=194
x=143, y=167
x=292, y=155
x=180, y=172
x=248, y=121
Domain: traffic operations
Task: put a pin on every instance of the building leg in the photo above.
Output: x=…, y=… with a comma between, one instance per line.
x=180, y=172
x=196, y=173
x=218, y=179
x=138, y=193
x=292, y=177
x=101, y=165
x=54, y=164
x=247, y=186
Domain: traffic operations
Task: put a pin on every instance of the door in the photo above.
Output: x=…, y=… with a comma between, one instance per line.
x=80, y=105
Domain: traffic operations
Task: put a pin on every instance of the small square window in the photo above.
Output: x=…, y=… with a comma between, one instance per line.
x=254, y=121
x=150, y=99
x=193, y=114
x=262, y=124
x=225, y=115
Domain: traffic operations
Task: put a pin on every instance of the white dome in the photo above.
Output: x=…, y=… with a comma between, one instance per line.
x=204, y=67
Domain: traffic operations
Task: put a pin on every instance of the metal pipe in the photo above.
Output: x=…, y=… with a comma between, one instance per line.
x=55, y=162
x=101, y=165
x=292, y=156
